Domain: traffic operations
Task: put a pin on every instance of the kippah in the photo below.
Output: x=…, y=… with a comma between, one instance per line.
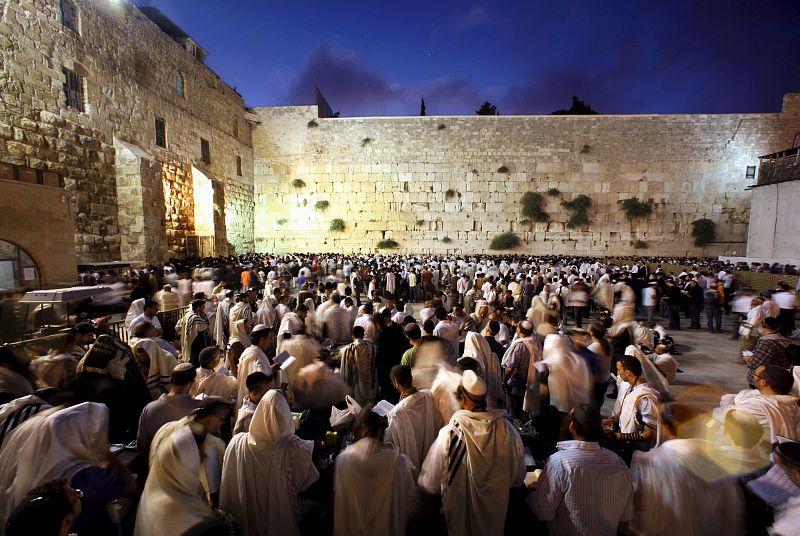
x=473, y=385
x=526, y=325
x=259, y=328
x=208, y=355
x=182, y=367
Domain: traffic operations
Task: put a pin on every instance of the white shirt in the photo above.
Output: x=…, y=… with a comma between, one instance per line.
x=584, y=490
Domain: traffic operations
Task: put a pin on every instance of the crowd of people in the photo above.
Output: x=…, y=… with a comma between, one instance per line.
x=365, y=394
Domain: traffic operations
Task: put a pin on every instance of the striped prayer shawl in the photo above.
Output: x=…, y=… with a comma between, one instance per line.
x=17, y=417
x=456, y=451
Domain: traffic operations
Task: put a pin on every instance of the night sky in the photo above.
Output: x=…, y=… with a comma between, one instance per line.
x=527, y=57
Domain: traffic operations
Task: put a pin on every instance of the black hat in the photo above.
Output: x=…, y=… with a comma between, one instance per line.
x=772, y=323
x=84, y=328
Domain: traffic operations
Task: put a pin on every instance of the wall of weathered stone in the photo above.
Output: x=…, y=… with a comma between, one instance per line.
x=129, y=66
x=389, y=178
x=774, y=224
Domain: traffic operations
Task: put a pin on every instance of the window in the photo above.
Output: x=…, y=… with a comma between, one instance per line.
x=205, y=151
x=13, y=172
x=179, y=83
x=161, y=132
x=239, y=165
x=73, y=89
x=235, y=127
x=751, y=173
x=69, y=15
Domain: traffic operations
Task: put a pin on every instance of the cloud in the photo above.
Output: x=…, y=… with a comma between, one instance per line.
x=476, y=15
x=357, y=90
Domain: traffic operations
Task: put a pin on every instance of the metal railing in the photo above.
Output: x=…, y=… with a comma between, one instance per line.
x=779, y=167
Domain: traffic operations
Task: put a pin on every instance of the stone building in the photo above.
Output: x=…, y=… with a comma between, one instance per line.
x=117, y=142
x=110, y=119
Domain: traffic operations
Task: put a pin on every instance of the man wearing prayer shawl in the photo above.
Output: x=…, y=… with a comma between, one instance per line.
x=358, y=369
x=253, y=359
x=155, y=365
x=415, y=421
x=210, y=382
x=194, y=332
x=477, y=347
x=521, y=378
x=474, y=462
x=636, y=416
x=264, y=471
x=373, y=485
x=293, y=322
x=222, y=328
x=569, y=381
x=174, y=499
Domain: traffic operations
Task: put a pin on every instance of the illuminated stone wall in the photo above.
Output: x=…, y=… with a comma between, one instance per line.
x=129, y=67
x=389, y=178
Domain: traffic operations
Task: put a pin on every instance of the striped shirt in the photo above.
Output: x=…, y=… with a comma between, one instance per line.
x=584, y=490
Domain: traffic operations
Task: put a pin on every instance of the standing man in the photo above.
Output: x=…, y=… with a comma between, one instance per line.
x=358, y=368
x=194, y=330
x=473, y=463
x=463, y=285
x=521, y=384
x=785, y=299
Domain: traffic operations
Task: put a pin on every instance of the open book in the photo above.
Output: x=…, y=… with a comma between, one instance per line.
x=383, y=408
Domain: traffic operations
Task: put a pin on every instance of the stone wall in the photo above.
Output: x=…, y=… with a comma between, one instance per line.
x=774, y=225
x=129, y=67
x=423, y=180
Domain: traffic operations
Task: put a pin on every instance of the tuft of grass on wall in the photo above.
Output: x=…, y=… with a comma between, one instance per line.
x=446, y=240
x=312, y=124
x=704, y=231
x=502, y=169
x=532, y=207
x=505, y=241
x=553, y=192
x=298, y=183
x=640, y=244
x=281, y=221
x=322, y=205
x=366, y=141
x=387, y=243
x=441, y=126
x=337, y=225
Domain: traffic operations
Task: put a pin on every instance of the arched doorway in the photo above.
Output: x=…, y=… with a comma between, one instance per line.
x=17, y=269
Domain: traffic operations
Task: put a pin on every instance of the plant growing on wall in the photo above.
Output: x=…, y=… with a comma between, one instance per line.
x=337, y=225
x=704, y=231
x=580, y=207
x=312, y=124
x=502, y=169
x=505, y=241
x=449, y=194
x=441, y=126
x=639, y=244
x=420, y=222
x=553, y=192
x=532, y=207
x=322, y=205
x=387, y=243
x=298, y=183
x=366, y=141
x=585, y=148
x=446, y=240
x=281, y=221
x=634, y=208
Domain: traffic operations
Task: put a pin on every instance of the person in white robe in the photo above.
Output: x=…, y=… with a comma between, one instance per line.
x=476, y=347
x=304, y=349
x=521, y=376
x=174, y=499
x=253, y=359
x=222, y=326
x=155, y=364
x=258, y=384
x=415, y=421
x=374, y=487
x=358, y=368
x=55, y=370
x=624, y=309
x=264, y=471
x=474, y=462
x=265, y=314
x=569, y=381
x=293, y=322
x=134, y=311
x=681, y=489
x=211, y=383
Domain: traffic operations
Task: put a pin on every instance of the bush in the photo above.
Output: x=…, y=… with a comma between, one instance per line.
x=441, y=126
x=281, y=221
x=585, y=148
x=298, y=183
x=387, y=243
x=322, y=205
x=312, y=124
x=639, y=244
x=365, y=142
x=446, y=240
x=580, y=205
x=420, y=222
x=449, y=194
x=634, y=208
x=505, y=241
x=337, y=225
x=553, y=192
x=532, y=207
x=502, y=169
x=578, y=219
x=704, y=231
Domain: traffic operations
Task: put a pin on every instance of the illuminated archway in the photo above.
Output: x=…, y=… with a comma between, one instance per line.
x=203, y=211
x=17, y=269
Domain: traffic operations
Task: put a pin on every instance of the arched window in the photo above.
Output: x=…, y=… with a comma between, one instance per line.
x=17, y=268
x=179, y=83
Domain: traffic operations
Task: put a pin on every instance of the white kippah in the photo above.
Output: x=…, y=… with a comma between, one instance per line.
x=181, y=367
x=259, y=328
x=473, y=385
x=526, y=325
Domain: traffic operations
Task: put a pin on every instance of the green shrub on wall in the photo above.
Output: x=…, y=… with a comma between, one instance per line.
x=337, y=225
x=312, y=124
x=387, y=243
x=298, y=183
x=580, y=206
x=446, y=240
x=505, y=241
x=634, y=208
x=639, y=244
x=281, y=221
x=553, y=192
x=704, y=231
x=532, y=207
x=322, y=205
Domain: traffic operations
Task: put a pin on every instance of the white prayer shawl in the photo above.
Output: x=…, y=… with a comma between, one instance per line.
x=244, y=416
x=335, y=324
x=667, y=365
x=530, y=403
x=239, y=333
x=680, y=489
x=477, y=347
x=292, y=324
x=265, y=314
x=474, y=462
x=55, y=370
x=14, y=383
x=569, y=380
x=319, y=315
x=374, y=490
x=222, y=321
x=241, y=311
x=778, y=414
x=212, y=383
x=265, y=470
x=161, y=365
x=17, y=412
x=173, y=500
x=58, y=445
x=652, y=376
x=413, y=426
x=136, y=309
x=359, y=370
x=191, y=326
x=788, y=519
x=304, y=349
x=253, y=359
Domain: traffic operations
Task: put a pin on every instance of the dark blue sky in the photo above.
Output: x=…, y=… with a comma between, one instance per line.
x=527, y=57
